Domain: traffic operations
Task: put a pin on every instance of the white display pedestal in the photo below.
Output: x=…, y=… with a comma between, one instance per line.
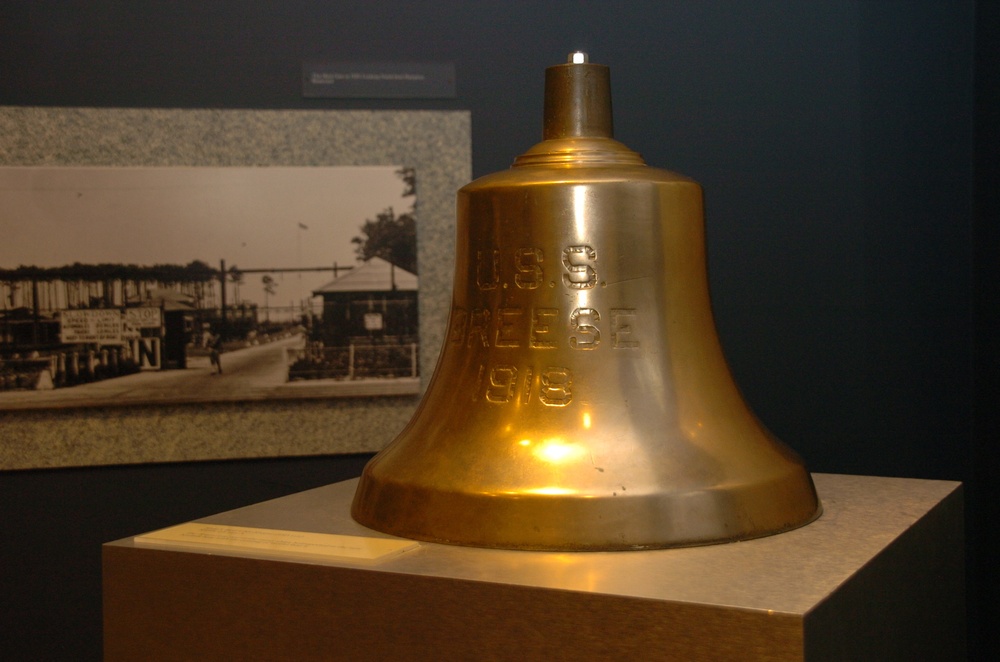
x=880, y=576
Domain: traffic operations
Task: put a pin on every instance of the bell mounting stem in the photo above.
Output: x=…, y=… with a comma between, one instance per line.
x=577, y=100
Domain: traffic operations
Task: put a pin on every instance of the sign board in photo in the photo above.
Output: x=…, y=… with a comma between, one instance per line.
x=103, y=327
x=147, y=317
x=136, y=319
x=147, y=353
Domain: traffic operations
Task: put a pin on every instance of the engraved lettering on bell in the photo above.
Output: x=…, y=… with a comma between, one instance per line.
x=488, y=269
x=622, y=320
x=529, y=268
x=479, y=328
x=541, y=328
x=508, y=323
x=586, y=335
x=579, y=263
x=556, y=386
x=503, y=379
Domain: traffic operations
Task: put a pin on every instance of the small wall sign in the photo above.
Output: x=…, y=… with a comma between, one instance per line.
x=378, y=80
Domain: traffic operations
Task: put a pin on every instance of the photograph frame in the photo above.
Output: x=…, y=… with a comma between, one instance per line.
x=436, y=144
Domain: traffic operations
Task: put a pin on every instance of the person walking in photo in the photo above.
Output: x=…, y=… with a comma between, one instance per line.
x=215, y=351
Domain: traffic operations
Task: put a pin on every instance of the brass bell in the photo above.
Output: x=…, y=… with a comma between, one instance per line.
x=582, y=400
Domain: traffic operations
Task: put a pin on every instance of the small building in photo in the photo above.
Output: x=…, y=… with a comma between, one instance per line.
x=375, y=302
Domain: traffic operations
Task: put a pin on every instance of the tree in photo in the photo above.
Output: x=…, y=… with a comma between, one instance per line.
x=270, y=288
x=390, y=237
x=236, y=278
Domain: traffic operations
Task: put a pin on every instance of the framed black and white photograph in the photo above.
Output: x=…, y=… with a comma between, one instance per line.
x=188, y=285
x=176, y=284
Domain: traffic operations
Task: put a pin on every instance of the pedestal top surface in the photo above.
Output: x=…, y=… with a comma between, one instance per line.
x=789, y=573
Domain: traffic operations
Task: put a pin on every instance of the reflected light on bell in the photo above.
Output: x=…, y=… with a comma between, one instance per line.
x=557, y=451
x=551, y=491
x=587, y=423
x=580, y=210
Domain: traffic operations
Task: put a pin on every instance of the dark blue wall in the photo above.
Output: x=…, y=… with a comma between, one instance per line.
x=837, y=143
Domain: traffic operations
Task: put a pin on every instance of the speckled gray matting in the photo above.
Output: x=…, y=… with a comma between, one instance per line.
x=437, y=144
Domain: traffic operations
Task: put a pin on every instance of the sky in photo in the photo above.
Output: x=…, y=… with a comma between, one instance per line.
x=251, y=217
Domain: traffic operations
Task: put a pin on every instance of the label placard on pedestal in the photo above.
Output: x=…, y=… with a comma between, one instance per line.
x=275, y=542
